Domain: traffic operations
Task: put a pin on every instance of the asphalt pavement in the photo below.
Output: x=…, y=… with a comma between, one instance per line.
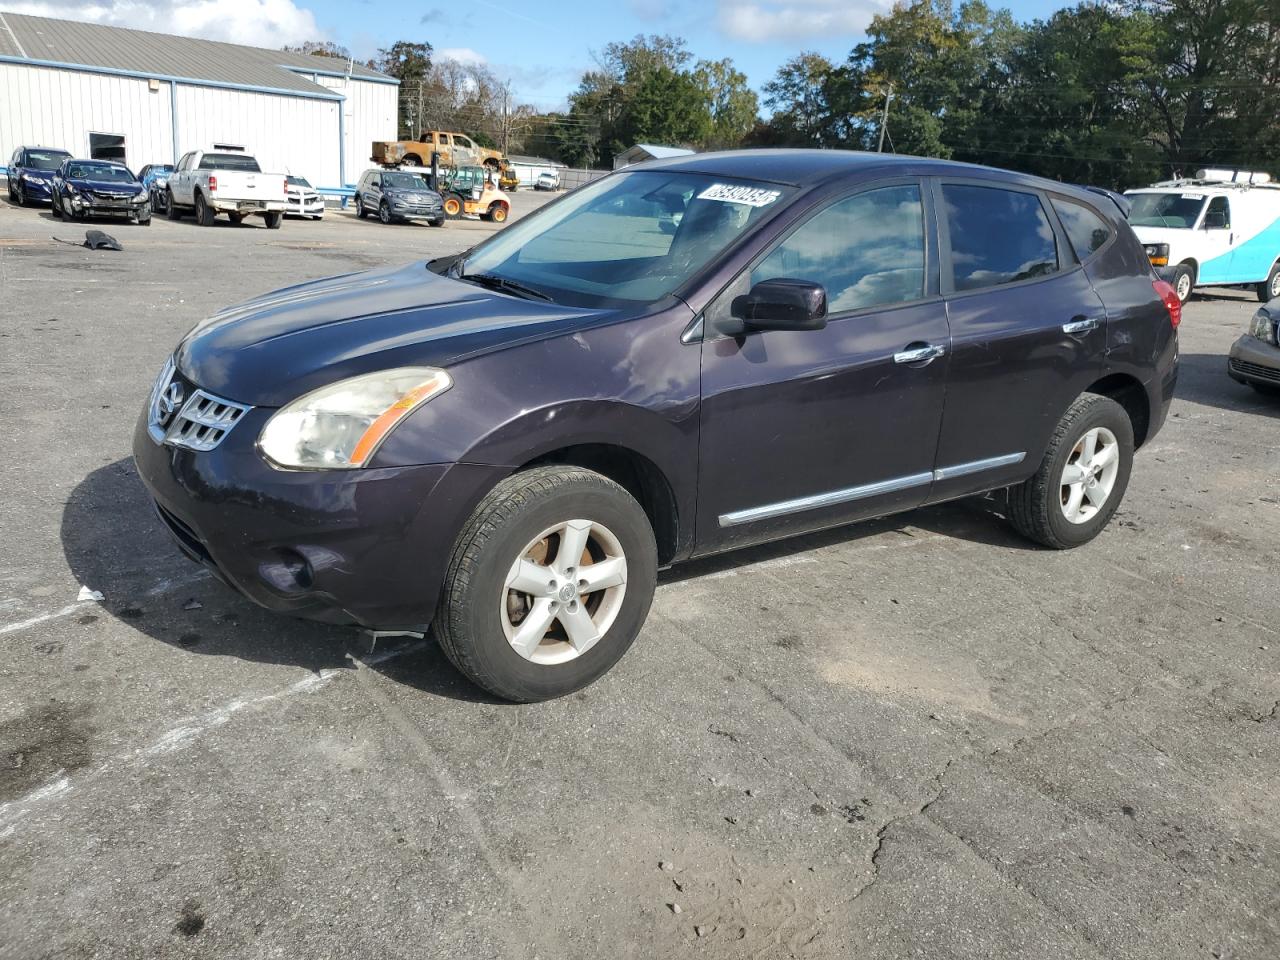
x=918, y=737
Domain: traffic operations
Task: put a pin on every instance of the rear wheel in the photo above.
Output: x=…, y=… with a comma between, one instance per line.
x=274, y=218
x=1184, y=281
x=204, y=213
x=1269, y=289
x=361, y=212
x=236, y=218
x=1081, y=479
x=453, y=206
x=548, y=585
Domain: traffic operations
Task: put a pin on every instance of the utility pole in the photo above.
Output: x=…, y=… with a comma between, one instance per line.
x=506, y=119
x=884, y=117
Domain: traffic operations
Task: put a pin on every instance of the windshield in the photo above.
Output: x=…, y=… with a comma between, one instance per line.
x=1178, y=210
x=104, y=172
x=229, y=161
x=298, y=182
x=46, y=159
x=403, y=181
x=631, y=237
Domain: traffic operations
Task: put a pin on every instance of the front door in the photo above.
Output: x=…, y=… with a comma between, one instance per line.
x=806, y=429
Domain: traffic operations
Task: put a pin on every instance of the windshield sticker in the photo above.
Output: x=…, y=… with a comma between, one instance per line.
x=1193, y=196
x=751, y=196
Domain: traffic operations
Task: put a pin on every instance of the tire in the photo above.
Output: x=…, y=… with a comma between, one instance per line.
x=171, y=208
x=13, y=197
x=498, y=213
x=477, y=612
x=1036, y=506
x=361, y=212
x=436, y=223
x=236, y=218
x=412, y=160
x=1184, y=281
x=56, y=207
x=384, y=212
x=274, y=218
x=22, y=195
x=204, y=215
x=1269, y=288
x=144, y=221
x=453, y=207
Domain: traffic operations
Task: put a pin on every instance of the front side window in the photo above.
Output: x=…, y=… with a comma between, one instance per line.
x=1087, y=231
x=1218, y=216
x=462, y=141
x=997, y=236
x=865, y=250
x=633, y=237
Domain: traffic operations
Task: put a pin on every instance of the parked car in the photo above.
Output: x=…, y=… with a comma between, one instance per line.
x=453, y=149
x=303, y=199
x=509, y=443
x=225, y=181
x=1219, y=228
x=547, y=180
x=85, y=188
x=155, y=177
x=1255, y=357
x=30, y=175
x=398, y=195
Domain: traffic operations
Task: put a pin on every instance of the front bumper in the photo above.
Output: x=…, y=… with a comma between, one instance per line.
x=1253, y=361
x=306, y=208
x=368, y=546
x=423, y=210
x=82, y=203
x=34, y=189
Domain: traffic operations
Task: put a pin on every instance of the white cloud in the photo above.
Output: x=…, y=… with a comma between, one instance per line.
x=462, y=55
x=258, y=23
x=760, y=22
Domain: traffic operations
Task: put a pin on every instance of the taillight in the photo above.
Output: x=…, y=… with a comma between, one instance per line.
x=213, y=183
x=286, y=186
x=1169, y=297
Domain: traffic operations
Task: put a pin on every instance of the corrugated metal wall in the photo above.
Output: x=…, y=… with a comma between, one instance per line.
x=51, y=107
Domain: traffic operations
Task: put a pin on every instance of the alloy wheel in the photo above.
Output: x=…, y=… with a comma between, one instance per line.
x=1275, y=285
x=1089, y=475
x=563, y=592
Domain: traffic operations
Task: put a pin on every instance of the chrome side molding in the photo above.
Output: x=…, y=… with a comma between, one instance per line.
x=848, y=494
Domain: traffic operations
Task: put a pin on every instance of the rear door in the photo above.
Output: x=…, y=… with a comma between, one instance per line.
x=802, y=429
x=1028, y=332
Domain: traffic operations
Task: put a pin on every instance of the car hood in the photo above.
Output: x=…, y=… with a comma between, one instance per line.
x=106, y=186
x=278, y=346
x=1163, y=234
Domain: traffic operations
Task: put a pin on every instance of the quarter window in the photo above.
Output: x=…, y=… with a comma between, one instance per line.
x=1085, y=229
x=997, y=236
x=866, y=250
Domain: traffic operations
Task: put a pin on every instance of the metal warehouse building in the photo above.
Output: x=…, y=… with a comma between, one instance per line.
x=110, y=93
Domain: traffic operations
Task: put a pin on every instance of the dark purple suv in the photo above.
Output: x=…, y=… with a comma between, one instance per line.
x=676, y=360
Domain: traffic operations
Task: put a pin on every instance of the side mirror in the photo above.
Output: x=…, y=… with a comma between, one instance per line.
x=782, y=304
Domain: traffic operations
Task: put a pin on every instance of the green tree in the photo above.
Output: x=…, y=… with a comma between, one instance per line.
x=733, y=105
x=319, y=48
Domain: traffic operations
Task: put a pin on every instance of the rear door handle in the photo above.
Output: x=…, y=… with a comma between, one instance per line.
x=1081, y=325
x=916, y=352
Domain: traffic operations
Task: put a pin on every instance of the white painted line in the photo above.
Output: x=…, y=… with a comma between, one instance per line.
x=183, y=735
x=164, y=586
x=42, y=618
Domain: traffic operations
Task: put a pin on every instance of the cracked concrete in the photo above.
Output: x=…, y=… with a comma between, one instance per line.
x=915, y=738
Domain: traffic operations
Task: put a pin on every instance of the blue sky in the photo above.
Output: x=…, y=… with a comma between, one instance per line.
x=541, y=47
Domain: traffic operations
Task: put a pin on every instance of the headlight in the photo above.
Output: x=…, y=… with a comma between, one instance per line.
x=342, y=425
x=1157, y=253
x=71, y=189
x=1263, y=326
x=28, y=178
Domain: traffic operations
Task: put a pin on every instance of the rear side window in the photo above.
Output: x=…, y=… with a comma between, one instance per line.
x=866, y=250
x=997, y=236
x=1087, y=231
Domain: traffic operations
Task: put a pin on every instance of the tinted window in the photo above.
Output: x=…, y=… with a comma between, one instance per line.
x=865, y=250
x=1085, y=229
x=46, y=159
x=997, y=236
x=229, y=161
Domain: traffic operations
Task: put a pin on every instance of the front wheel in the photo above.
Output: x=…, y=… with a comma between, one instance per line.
x=1081, y=479
x=453, y=206
x=384, y=212
x=1184, y=281
x=170, y=208
x=498, y=213
x=548, y=585
x=56, y=208
x=1269, y=288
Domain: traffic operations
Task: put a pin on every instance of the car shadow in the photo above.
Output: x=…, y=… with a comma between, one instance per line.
x=1203, y=379
x=113, y=543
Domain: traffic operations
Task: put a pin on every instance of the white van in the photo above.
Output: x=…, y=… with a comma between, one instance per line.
x=1221, y=228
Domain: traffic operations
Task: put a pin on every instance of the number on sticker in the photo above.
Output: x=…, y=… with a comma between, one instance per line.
x=751, y=196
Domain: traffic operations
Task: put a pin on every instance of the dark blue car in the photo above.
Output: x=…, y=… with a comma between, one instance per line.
x=31, y=171
x=84, y=188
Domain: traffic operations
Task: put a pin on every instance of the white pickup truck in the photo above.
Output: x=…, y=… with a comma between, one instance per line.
x=224, y=181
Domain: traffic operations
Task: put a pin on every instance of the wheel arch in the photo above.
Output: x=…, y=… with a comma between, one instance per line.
x=1128, y=391
x=635, y=473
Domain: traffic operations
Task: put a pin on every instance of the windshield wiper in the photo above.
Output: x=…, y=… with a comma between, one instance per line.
x=494, y=282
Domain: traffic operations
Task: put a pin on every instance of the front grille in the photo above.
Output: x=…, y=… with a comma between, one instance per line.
x=1255, y=370
x=182, y=415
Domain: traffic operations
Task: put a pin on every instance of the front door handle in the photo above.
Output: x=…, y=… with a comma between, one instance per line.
x=916, y=352
x=1081, y=325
